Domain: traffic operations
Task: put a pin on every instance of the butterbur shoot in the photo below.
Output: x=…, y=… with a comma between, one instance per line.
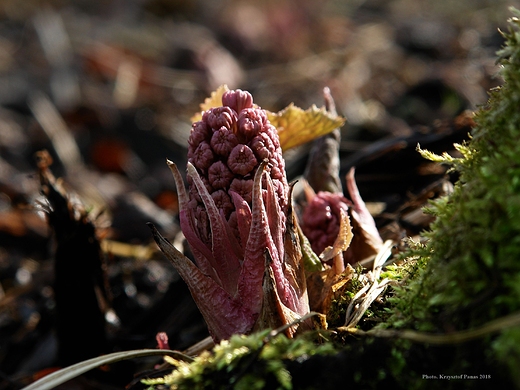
x=328, y=213
x=235, y=215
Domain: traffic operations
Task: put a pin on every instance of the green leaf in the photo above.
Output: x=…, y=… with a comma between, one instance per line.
x=311, y=261
x=65, y=374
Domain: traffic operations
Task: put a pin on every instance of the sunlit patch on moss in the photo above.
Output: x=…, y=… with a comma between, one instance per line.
x=249, y=362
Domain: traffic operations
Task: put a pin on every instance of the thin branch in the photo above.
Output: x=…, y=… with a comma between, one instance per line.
x=463, y=336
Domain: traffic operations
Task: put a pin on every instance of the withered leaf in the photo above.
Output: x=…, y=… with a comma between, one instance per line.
x=296, y=126
x=325, y=286
x=342, y=241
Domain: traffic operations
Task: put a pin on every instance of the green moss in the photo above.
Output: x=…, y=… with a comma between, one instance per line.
x=505, y=350
x=257, y=361
x=468, y=273
x=339, y=304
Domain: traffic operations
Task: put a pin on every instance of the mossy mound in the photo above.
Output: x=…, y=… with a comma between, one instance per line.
x=470, y=273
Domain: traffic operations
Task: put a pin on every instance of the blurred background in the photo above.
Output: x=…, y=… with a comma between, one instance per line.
x=108, y=89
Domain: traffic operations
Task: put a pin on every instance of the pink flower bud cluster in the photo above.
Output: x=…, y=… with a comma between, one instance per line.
x=321, y=222
x=226, y=147
x=247, y=272
x=321, y=219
